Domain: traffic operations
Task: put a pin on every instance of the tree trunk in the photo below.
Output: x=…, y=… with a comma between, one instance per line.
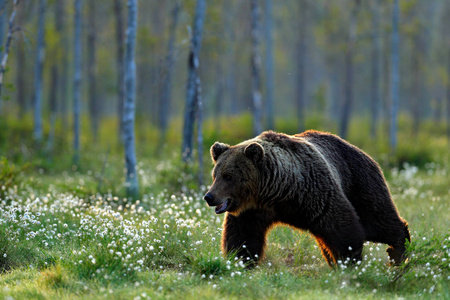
x=417, y=82
x=92, y=70
x=256, y=67
x=53, y=105
x=335, y=83
x=448, y=94
x=55, y=81
x=38, y=74
x=2, y=36
x=198, y=96
x=386, y=89
x=269, y=64
x=64, y=78
x=395, y=77
x=301, y=59
x=7, y=45
x=20, y=65
x=165, y=99
x=132, y=184
x=376, y=67
x=193, y=64
x=120, y=67
x=348, y=98
x=2, y=24
x=229, y=61
x=219, y=96
x=77, y=82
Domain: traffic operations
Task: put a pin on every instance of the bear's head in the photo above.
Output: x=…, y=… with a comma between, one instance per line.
x=235, y=177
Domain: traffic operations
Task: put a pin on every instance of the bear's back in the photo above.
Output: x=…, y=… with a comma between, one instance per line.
x=340, y=152
x=355, y=168
x=352, y=162
x=360, y=175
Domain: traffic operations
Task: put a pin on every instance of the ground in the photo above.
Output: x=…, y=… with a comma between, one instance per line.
x=60, y=244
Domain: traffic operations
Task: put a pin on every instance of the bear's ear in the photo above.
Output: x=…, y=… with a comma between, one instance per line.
x=217, y=149
x=255, y=152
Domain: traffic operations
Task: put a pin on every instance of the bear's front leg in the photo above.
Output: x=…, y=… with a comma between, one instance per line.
x=245, y=234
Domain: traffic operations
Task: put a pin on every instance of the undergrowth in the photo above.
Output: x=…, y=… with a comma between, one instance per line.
x=70, y=231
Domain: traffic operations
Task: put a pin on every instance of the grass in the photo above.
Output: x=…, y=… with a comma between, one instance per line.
x=70, y=233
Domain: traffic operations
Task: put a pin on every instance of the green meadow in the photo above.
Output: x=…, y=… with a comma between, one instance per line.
x=69, y=232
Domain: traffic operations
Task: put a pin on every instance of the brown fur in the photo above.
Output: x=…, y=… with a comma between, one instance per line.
x=312, y=181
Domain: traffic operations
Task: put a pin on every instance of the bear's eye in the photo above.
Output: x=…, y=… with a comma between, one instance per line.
x=227, y=177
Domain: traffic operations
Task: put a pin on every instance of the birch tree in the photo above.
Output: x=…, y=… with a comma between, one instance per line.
x=448, y=91
x=38, y=71
x=77, y=81
x=192, y=83
x=119, y=60
x=417, y=86
x=256, y=66
x=395, y=77
x=92, y=70
x=65, y=63
x=376, y=67
x=198, y=99
x=301, y=64
x=2, y=24
x=269, y=63
x=20, y=65
x=229, y=69
x=2, y=29
x=348, y=98
x=132, y=185
x=447, y=38
x=55, y=80
x=167, y=83
x=7, y=44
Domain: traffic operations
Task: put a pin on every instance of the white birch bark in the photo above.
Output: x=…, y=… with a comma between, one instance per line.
x=166, y=94
x=38, y=74
x=269, y=64
x=256, y=67
x=7, y=44
x=395, y=77
x=132, y=185
x=193, y=64
x=77, y=81
x=376, y=67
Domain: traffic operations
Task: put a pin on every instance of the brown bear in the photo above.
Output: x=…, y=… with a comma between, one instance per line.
x=313, y=181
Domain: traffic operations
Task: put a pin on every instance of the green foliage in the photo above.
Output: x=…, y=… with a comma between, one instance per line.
x=19, y=255
x=9, y=176
x=426, y=258
x=208, y=266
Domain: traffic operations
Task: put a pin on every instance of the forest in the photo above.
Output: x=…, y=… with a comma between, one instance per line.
x=108, y=110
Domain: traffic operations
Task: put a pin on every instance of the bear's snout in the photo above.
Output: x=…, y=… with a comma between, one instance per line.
x=209, y=199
